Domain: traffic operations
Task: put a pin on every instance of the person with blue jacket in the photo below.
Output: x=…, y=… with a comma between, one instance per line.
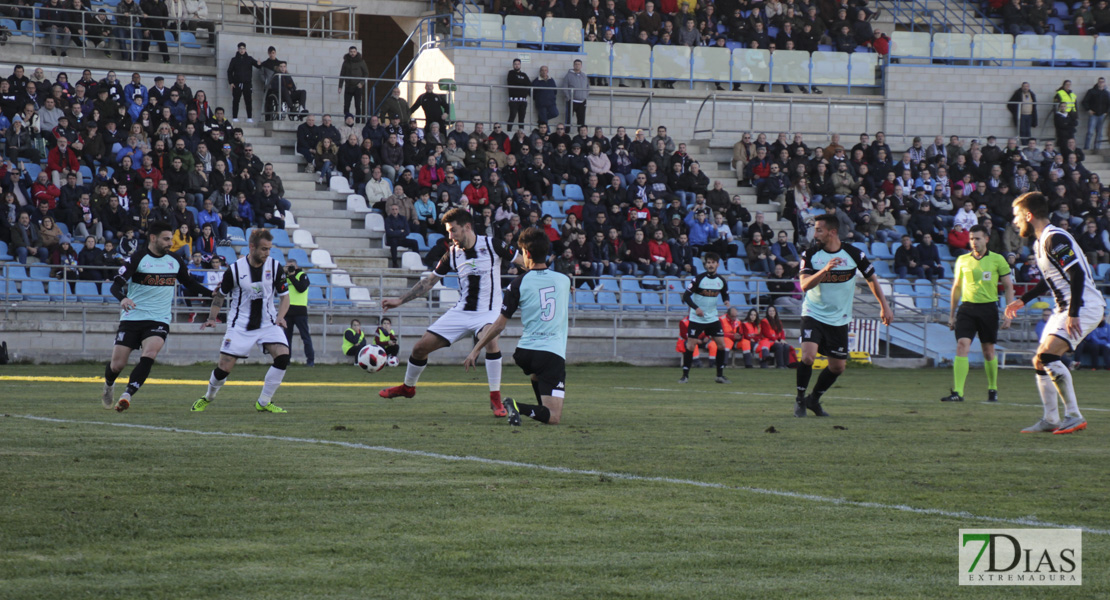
x=702, y=232
x=1096, y=345
x=397, y=230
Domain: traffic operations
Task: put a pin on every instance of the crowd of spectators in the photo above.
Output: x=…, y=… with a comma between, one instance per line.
x=771, y=24
x=133, y=27
x=101, y=160
x=1041, y=17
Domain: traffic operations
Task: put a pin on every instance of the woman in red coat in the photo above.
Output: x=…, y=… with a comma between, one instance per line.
x=773, y=339
x=747, y=336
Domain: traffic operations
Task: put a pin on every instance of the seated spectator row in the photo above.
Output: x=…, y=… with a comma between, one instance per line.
x=721, y=65
x=1001, y=47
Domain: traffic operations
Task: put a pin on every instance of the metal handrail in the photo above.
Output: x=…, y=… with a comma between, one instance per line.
x=1071, y=63
x=263, y=13
x=133, y=32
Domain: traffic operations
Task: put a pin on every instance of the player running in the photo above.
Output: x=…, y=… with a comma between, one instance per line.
x=477, y=260
x=701, y=296
x=977, y=276
x=1079, y=310
x=150, y=278
x=827, y=276
x=251, y=282
x=543, y=297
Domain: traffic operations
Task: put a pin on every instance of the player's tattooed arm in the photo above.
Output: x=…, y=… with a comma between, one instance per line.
x=421, y=289
x=214, y=311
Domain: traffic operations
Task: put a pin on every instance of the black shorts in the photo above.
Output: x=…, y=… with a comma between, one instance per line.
x=712, y=330
x=977, y=318
x=831, y=340
x=133, y=333
x=549, y=368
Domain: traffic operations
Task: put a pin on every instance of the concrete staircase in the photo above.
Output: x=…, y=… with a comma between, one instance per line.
x=715, y=157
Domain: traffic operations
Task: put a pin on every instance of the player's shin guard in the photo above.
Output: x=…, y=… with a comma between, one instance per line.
x=493, y=371
x=273, y=379
x=413, y=370
x=687, y=360
x=110, y=375
x=960, y=367
x=1048, y=397
x=1061, y=376
x=824, y=381
x=139, y=375
x=991, y=367
x=215, y=382
x=721, y=355
x=804, y=373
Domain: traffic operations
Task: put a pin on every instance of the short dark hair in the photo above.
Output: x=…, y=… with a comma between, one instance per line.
x=1035, y=203
x=157, y=228
x=830, y=221
x=978, y=229
x=457, y=216
x=536, y=243
x=713, y=256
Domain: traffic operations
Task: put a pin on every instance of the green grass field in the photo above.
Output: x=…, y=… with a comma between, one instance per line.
x=866, y=504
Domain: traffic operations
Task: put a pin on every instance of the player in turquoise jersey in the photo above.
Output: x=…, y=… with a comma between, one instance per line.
x=701, y=296
x=145, y=287
x=828, y=278
x=543, y=297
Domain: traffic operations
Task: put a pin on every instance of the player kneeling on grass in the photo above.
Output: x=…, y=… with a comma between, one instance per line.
x=251, y=283
x=543, y=297
x=1079, y=310
x=975, y=291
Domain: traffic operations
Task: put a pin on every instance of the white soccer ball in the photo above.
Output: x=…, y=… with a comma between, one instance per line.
x=372, y=359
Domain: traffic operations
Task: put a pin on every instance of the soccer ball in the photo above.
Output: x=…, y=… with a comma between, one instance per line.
x=372, y=359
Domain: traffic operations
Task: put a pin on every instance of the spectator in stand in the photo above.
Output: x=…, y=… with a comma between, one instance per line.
x=26, y=241
x=308, y=139
x=1065, y=122
x=397, y=229
x=760, y=257
x=959, y=240
x=786, y=254
x=577, y=88
x=326, y=159
x=1097, y=103
x=154, y=23
x=1095, y=346
x=55, y=21
x=907, y=261
x=353, y=74
x=62, y=162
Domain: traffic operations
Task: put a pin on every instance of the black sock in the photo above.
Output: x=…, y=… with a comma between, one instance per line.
x=804, y=373
x=139, y=374
x=824, y=381
x=721, y=362
x=536, y=391
x=538, y=412
x=687, y=360
x=219, y=374
x=110, y=375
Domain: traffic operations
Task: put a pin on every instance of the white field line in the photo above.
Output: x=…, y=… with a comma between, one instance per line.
x=1030, y=521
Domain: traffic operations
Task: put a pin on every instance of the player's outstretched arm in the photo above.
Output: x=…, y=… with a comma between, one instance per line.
x=214, y=311
x=419, y=290
x=492, y=332
x=885, y=315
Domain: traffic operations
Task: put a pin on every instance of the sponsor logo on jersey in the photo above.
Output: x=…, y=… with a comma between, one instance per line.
x=158, y=280
x=840, y=276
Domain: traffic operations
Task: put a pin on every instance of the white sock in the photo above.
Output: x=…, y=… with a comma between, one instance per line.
x=1048, y=398
x=1061, y=376
x=214, y=386
x=413, y=371
x=493, y=373
x=270, y=385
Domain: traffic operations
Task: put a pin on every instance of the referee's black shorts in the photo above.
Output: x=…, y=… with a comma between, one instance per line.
x=977, y=318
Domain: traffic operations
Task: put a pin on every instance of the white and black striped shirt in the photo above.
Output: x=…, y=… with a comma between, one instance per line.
x=479, y=270
x=251, y=291
x=1057, y=252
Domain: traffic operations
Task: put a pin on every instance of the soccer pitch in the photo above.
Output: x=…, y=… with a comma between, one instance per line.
x=648, y=489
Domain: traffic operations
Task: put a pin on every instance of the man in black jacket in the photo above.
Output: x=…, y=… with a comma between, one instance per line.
x=1023, y=109
x=519, y=89
x=155, y=22
x=434, y=105
x=240, y=75
x=1097, y=103
x=308, y=135
x=352, y=81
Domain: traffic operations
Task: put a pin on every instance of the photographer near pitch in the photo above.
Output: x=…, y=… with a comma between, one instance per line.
x=298, y=310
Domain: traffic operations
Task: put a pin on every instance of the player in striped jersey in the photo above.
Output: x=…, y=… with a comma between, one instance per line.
x=145, y=287
x=251, y=284
x=477, y=260
x=1079, y=310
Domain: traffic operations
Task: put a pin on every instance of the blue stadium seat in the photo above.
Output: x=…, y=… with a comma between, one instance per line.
x=33, y=169
x=227, y=253
x=277, y=254
x=281, y=238
x=171, y=41
x=553, y=208
x=735, y=266
x=608, y=300
x=87, y=292
x=434, y=238
x=11, y=291
x=1056, y=26
x=584, y=300
x=699, y=266
x=862, y=247
x=650, y=301
x=33, y=291
x=339, y=296
x=881, y=250
x=451, y=282
x=1062, y=9
x=1103, y=271
x=4, y=255
x=901, y=229
x=574, y=192
x=193, y=209
x=419, y=239
x=237, y=235
x=300, y=256
x=189, y=40
x=316, y=296
x=318, y=278
x=10, y=24
x=557, y=193
x=39, y=272
x=57, y=291
x=86, y=174
x=944, y=252
x=65, y=229
x=882, y=269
